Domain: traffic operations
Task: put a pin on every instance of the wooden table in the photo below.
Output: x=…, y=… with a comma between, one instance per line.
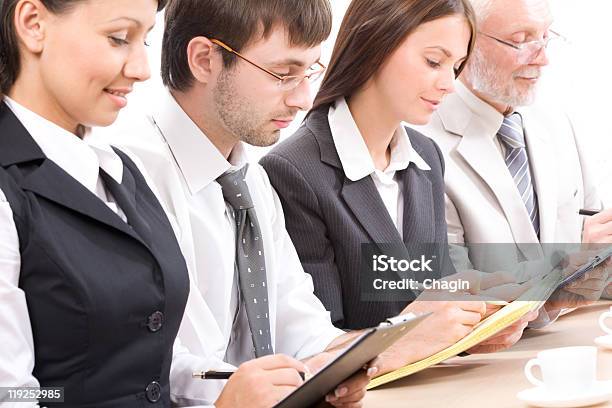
x=493, y=380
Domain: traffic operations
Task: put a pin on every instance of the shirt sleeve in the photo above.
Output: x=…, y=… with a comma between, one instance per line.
x=192, y=392
x=17, y=351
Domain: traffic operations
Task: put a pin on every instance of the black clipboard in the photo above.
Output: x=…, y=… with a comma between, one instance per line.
x=597, y=260
x=361, y=351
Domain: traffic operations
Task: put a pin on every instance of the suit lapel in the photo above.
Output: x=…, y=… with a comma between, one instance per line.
x=478, y=150
x=543, y=175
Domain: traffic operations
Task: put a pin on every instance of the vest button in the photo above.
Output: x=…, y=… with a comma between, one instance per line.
x=155, y=321
x=153, y=392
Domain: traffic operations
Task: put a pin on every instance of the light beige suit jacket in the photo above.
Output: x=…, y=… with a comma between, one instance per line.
x=483, y=205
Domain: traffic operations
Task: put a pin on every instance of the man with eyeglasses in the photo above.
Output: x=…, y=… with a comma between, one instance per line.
x=515, y=174
x=236, y=74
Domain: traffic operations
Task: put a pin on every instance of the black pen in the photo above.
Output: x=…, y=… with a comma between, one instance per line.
x=224, y=375
x=588, y=212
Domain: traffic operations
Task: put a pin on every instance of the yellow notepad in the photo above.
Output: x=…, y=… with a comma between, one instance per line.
x=498, y=321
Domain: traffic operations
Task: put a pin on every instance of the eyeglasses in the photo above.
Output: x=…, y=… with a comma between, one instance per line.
x=285, y=82
x=528, y=50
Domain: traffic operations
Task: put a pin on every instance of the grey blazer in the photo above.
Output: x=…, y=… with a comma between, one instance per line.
x=329, y=217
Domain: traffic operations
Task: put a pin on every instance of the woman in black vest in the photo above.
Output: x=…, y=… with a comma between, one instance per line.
x=92, y=281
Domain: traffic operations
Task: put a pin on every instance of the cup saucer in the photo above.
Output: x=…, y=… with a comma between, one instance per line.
x=541, y=397
x=604, y=341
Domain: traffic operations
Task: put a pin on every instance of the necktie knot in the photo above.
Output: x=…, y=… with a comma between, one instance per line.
x=235, y=189
x=511, y=132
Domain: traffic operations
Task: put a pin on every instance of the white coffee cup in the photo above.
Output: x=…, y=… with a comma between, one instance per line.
x=565, y=370
x=602, y=321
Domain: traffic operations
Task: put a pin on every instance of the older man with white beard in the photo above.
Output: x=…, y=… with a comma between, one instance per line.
x=515, y=173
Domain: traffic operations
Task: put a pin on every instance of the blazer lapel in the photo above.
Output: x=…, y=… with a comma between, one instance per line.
x=360, y=196
x=478, y=149
x=364, y=201
x=543, y=173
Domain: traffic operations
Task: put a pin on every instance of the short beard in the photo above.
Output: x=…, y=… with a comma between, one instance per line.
x=487, y=80
x=239, y=115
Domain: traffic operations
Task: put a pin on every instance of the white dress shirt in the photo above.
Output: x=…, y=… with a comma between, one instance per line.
x=82, y=161
x=357, y=161
x=184, y=164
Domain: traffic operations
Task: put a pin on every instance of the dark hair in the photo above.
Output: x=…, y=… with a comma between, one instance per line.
x=9, y=46
x=238, y=23
x=371, y=31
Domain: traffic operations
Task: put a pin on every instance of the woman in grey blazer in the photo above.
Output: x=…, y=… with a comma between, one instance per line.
x=354, y=175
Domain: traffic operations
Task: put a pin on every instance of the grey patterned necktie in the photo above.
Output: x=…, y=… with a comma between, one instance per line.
x=250, y=259
x=511, y=135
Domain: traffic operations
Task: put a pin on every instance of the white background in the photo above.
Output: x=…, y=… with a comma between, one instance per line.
x=579, y=79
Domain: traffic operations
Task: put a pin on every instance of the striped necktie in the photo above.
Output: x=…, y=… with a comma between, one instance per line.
x=517, y=161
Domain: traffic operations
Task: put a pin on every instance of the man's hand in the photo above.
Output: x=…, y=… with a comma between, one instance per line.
x=584, y=290
x=592, y=284
x=262, y=383
x=598, y=228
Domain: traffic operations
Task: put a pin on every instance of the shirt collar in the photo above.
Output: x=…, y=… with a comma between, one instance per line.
x=199, y=161
x=353, y=151
x=490, y=117
x=80, y=158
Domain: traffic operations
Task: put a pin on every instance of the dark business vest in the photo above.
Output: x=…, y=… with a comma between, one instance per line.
x=105, y=298
x=329, y=217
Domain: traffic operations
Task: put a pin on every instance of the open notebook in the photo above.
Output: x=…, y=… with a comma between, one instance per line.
x=498, y=321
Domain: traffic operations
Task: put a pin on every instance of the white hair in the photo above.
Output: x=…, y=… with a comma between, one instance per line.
x=482, y=8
